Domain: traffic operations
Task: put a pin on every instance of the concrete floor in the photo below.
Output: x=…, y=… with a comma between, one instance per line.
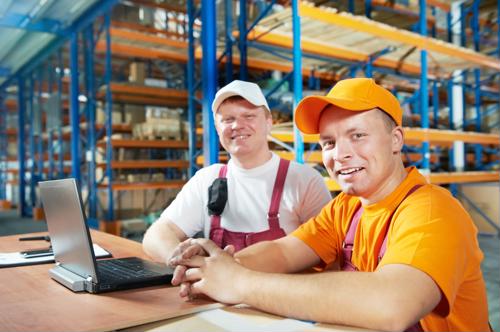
x=11, y=224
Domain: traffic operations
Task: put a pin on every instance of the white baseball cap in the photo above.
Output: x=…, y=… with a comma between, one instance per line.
x=247, y=90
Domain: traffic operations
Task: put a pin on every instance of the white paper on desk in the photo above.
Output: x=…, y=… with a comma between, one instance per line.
x=12, y=259
x=241, y=318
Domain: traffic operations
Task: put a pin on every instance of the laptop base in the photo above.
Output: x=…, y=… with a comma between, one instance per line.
x=68, y=279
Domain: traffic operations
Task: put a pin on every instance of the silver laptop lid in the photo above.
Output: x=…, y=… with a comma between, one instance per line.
x=69, y=233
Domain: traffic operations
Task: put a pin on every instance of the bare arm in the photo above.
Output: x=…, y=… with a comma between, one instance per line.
x=161, y=239
x=285, y=255
x=392, y=298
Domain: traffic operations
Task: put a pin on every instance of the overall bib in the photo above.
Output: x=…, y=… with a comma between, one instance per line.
x=222, y=237
x=347, y=246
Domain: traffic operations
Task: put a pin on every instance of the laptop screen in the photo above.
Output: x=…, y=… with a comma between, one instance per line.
x=68, y=231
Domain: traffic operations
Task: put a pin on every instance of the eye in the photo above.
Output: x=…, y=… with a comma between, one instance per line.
x=249, y=116
x=227, y=120
x=358, y=136
x=327, y=145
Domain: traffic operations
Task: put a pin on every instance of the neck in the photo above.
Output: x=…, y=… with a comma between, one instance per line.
x=248, y=162
x=398, y=175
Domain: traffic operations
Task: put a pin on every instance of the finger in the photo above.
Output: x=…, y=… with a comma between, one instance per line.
x=230, y=249
x=195, y=261
x=209, y=246
x=193, y=274
x=179, y=249
x=193, y=251
x=178, y=276
x=185, y=289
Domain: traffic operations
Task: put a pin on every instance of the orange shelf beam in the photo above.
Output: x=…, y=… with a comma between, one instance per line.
x=147, y=38
x=170, y=184
x=416, y=135
x=464, y=177
x=137, y=143
x=312, y=47
x=136, y=164
x=390, y=33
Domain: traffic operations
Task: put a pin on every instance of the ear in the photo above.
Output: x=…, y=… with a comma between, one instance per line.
x=269, y=120
x=397, y=139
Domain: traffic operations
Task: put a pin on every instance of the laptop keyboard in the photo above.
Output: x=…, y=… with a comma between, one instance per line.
x=124, y=269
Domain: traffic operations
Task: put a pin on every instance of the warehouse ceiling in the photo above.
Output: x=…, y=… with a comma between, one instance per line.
x=29, y=27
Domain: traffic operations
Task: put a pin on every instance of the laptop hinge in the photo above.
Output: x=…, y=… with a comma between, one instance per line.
x=67, y=278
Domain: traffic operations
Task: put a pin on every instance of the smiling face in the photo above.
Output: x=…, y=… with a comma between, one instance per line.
x=361, y=152
x=243, y=130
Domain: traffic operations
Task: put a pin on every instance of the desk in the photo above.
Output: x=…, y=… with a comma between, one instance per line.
x=31, y=301
x=238, y=318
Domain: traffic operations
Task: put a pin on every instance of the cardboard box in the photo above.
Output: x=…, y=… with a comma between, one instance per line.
x=485, y=196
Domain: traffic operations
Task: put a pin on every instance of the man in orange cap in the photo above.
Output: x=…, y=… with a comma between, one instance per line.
x=414, y=242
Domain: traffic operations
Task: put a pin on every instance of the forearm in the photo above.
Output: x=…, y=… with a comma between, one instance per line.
x=285, y=255
x=345, y=298
x=264, y=256
x=160, y=241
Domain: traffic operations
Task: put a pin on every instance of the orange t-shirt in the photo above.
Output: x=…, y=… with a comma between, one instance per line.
x=430, y=230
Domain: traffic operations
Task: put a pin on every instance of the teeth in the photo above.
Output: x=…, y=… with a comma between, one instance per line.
x=349, y=170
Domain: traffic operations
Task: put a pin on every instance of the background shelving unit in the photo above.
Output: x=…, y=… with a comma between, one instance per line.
x=105, y=67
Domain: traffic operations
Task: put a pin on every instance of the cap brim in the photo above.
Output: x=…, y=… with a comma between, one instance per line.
x=308, y=111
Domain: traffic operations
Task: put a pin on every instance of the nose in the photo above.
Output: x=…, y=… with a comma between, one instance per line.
x=237, y=123
x=342, y=151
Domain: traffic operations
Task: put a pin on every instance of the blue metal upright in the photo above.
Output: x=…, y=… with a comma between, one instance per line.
x=478, y=149
x=74, y=109
x=228, y=23
x=90, y=152
x=242, y=24
x=209, y=81
x=424, y=94
x=60, y=141
x=192, y=102
x=110, y=215
x=297, y=80
x=4, y=141
x=21, y=148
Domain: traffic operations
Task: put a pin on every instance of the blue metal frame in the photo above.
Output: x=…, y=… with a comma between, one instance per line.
x=74, y=114
x=110, y=215
x=21, y=102
x=297, y=80
x=91, y=131
x=4, y=141
x=424, y=94
x=228, y=23
x=242, y=25
x=192, y=102
x=209, y=81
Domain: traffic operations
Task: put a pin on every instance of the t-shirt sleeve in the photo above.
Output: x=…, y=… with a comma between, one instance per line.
x=315, y=195
x=188, y=208
x=433, y=233
x=318, y=233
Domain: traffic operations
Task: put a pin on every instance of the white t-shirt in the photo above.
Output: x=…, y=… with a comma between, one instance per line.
x=249, y=197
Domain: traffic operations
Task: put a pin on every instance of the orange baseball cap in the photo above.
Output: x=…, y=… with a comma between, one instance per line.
x=354, y=94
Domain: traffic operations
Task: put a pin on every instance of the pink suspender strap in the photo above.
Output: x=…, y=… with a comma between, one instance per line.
x=215, y=219
x=384, y=244
x=279, y=183
x=347, y=245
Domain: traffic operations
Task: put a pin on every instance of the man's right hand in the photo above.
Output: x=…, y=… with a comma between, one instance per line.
x=183, y=253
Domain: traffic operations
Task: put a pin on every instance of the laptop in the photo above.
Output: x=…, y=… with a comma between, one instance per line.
x=76, y=265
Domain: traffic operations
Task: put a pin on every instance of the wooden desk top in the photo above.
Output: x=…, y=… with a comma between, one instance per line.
x=31, y=301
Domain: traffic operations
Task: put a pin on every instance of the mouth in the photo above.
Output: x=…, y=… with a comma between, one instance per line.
x=240, y=137
x=349, y=171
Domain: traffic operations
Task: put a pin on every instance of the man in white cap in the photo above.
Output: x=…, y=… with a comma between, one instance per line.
x=256, y=197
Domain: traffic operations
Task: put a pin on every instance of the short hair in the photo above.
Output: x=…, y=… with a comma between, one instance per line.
x=389, y=122
x=237, y=98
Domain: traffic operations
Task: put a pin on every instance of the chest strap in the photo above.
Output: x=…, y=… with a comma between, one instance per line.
x=348, y=244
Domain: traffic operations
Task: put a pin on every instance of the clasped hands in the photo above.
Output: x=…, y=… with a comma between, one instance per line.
x=201, y=267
